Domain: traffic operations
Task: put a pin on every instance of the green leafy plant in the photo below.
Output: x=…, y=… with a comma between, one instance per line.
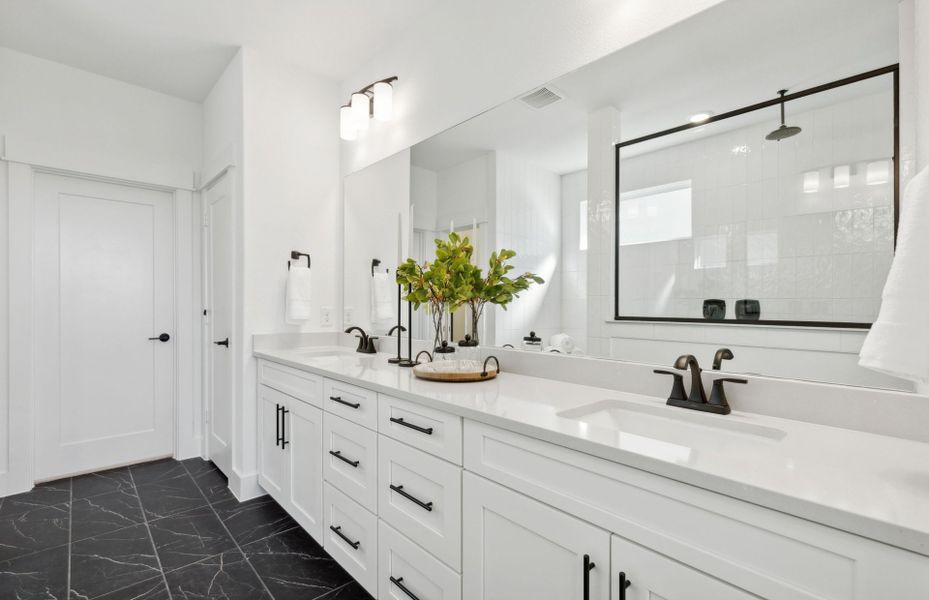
x=452, y=281
x=496, y=287
x=443, y=284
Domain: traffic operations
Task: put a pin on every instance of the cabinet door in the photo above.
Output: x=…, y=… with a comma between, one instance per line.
x=651, y=575
x=304, y=429
x=515, y=548
x=272, y=456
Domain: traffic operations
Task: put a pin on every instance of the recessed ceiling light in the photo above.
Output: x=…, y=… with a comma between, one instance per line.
x=701, y=117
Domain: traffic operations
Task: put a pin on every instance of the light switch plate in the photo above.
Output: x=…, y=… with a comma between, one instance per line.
x=325, y=316
x=348, y=316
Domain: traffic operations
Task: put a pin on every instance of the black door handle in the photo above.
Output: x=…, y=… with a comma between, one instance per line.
x=588, y=565
x=284, y=440
x=623, y=584
x=277, y=424
x=225, y=343
x=164, y=337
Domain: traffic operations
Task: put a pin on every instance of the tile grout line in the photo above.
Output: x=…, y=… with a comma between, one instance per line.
x=148, y=529
x=70, y=529
x=229, y=533
x=331, y=593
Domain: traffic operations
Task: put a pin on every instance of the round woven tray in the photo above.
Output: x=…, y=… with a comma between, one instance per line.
x=460, y=371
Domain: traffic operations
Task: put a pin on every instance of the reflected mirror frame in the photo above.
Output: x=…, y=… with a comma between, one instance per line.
x=893, y=70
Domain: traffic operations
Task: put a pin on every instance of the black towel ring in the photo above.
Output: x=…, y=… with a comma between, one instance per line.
x=294, y=255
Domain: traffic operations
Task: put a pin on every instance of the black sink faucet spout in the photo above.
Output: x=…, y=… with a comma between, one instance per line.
x=365, y=342
x=689, y=361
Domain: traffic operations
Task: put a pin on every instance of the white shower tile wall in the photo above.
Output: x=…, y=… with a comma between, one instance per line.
x=774, y=221
x=573, y=259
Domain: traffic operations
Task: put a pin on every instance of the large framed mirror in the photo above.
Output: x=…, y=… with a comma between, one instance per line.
x=635, y=222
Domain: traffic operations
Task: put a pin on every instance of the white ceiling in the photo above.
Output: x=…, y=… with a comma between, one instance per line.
x=180, y=47
x=735, y=54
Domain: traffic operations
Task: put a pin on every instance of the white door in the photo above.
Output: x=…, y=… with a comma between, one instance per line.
x=104, y=285
x=304, y=426
x=647, y=575
x=218, y=207
x=272, y=442
x=516, y=548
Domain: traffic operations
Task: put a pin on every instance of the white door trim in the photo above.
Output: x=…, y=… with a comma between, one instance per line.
x=187, y=393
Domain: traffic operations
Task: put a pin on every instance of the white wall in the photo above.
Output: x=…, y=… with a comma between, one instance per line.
x=4, y=322
x=424, y=191
x=278, y=126
x=59, y=116
x=573, y=260
x=527, y=209
x=462, y=58
x=464, y=192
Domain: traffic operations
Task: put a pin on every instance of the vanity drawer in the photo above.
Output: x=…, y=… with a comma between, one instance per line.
x=293, y=382
x=420, y=495
x=428, y=429
x=403, y=563
x=351, y=402
x=350, y=459
x=350, y=537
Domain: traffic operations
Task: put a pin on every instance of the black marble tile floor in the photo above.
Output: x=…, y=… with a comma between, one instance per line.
x=165, y=530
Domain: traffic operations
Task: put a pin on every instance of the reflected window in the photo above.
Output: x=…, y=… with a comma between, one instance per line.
x=655, y=214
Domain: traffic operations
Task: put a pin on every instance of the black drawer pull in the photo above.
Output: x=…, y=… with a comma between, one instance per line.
x=398, y=581
x=623, y=584
x=338, y=454
x=345, y=402
x=400, y=421
x=338, y=532
x=399, y=490
x=277, y=424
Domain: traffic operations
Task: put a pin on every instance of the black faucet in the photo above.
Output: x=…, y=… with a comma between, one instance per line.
x=721, y=355
x=365, y=342
x=697, y=399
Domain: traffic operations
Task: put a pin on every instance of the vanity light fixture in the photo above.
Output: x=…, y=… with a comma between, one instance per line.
x=701, y=117
x=374, y=100
x=877, y=172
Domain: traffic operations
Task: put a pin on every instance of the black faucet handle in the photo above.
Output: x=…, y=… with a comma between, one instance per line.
x=677, y=388
x=718, y=395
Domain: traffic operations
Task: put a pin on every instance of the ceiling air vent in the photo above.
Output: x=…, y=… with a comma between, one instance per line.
x=541, y=97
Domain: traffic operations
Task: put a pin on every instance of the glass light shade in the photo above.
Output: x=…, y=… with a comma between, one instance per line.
x=347, y=129
x=361, y=111
x=841, y=176
x=811, y=182
x=383, y=101
x=878, y=172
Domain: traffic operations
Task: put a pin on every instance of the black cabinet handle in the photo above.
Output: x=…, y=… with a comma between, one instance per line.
x=398, y=581
x=588, y=566
x=345, y=402
x=400, y=421
x=284, y=440
x=623, y=584
x=224, y=342
x=338, y=454
x=277, y=424
x=338, y=532
x=413, y=499
x=164, y=337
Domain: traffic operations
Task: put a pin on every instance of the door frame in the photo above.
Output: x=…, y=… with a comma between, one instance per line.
x=22, y=359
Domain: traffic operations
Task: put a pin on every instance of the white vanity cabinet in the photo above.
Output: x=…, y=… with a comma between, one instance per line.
x=516, y=548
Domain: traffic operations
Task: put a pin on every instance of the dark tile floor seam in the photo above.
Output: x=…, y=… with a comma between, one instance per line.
x=151, y=539
x=70, y=529
x=229, y=533
x=336, y=591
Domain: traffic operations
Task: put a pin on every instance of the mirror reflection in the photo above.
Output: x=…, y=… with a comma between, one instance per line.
x=719, y=234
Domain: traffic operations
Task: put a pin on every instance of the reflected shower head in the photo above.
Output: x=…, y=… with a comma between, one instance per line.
x=784, y=131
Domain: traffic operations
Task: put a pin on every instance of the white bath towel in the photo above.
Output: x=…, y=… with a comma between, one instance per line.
x=383, y=290
x=297, y=307
x=898, y=343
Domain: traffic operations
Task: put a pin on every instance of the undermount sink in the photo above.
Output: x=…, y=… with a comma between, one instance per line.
x=670, y=433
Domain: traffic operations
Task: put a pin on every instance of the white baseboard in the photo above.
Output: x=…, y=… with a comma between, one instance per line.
x=245, y=487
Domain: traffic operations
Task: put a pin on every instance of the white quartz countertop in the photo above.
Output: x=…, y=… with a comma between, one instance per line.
x=871, y=485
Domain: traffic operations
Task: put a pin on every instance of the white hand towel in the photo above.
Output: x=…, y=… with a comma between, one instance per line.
x=563, y=342
x=898, y=343
x=383, y=290
x=297, y=306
